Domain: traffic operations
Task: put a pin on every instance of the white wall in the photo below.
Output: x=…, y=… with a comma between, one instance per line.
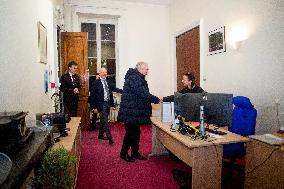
x=21, y=80
x=256, y=69
x=143, y=34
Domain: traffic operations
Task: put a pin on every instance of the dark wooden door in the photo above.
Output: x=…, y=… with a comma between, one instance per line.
x=188, y=55
x=74, y=47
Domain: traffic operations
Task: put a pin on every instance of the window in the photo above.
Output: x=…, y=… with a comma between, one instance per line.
x=101, y=46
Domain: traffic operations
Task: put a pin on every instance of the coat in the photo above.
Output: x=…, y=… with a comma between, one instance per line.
x=97, y=94
x=135, y=106
x=67, y=87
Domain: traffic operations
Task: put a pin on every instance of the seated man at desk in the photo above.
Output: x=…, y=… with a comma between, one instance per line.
x=189, y=84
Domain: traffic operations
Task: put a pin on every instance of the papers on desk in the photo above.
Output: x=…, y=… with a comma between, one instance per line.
x=268, y=138
x=215, y=136
x=167, y=113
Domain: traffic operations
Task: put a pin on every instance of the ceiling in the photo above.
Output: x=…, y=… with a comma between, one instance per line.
x=159, y=2
x=155, y=2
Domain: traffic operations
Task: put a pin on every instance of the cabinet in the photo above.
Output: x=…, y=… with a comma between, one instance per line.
x=264, y=165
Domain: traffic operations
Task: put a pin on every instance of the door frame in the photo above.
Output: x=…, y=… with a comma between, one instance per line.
x=202, y=51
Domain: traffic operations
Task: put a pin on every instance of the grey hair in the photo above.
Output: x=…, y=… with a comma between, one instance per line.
x=140, y=64
x=100, y=69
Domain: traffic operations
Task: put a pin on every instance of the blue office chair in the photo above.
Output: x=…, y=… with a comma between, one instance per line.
x=243, y=123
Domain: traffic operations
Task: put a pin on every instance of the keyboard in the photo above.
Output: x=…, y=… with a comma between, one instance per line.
x=215, y=131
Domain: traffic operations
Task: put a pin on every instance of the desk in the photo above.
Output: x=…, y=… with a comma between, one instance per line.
x=72, y=142
x=204, y=157
x=264, y=165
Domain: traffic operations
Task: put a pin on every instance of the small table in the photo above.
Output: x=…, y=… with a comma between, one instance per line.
x=264, y=165
x=204, y=157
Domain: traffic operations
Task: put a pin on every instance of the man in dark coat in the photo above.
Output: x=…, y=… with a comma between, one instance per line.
x=101, y=99
x=70, y=85
x=135, y=109
x=189, y=84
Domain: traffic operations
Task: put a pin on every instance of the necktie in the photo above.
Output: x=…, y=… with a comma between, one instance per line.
x=106, y=88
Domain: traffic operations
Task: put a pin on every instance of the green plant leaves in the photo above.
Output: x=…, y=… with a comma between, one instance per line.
x=56, y=169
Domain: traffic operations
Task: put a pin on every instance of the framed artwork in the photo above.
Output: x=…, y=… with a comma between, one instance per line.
x=216, y=39
x=42, y=43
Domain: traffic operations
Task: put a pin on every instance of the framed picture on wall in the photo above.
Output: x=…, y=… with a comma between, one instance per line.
x=42, y=43
x=216, y=41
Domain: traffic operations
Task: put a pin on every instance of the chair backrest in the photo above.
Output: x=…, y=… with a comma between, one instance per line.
x=244, y=116
x=5, y=167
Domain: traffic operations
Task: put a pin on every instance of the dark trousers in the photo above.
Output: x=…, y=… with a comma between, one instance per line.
x=94, y=120
x=131, y=139
x=71, y=103
x=104, y=121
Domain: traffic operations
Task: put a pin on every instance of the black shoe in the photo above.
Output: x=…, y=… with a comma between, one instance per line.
x=102, y=138
x=127, y=158
x=110, y=141
x=138, y=156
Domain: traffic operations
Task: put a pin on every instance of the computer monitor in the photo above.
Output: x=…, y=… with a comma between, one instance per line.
x=218, y=107
x=188, y=105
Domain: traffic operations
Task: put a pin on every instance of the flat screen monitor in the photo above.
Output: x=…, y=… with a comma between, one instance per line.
x=218, y=107
x=188, y=105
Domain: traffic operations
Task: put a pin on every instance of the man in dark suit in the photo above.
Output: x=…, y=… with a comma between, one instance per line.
x=101, y=99
x=70, y=85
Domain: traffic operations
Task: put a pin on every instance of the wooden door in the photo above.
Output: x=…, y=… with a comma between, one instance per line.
x=188, y=55
x=74, y=47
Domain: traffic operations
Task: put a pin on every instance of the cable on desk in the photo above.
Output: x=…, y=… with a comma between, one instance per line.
x=264, y=160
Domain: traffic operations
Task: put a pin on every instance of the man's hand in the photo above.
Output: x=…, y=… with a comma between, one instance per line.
x=161, y=99
x=76, y=90
x=95, y=111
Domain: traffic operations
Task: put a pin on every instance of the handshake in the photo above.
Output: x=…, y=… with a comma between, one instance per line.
x=161, y=99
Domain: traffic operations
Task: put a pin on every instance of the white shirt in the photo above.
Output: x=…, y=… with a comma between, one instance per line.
x=105, y=89
x=71, y=75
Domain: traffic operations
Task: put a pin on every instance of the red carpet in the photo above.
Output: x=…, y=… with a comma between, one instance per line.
x=100, y=165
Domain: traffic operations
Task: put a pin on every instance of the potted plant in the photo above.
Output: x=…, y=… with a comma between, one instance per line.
x=55, y=170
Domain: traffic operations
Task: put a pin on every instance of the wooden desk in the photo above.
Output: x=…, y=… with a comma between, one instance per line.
x=72, y=142
x=264, y=165
x=204, y=157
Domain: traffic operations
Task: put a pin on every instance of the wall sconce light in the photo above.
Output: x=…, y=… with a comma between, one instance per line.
x=237, y=44
x=238, y=34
